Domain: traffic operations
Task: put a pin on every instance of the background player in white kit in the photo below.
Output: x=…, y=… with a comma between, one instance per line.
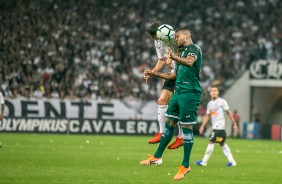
x=215, y=110
x=2, y=103
x=168, y=87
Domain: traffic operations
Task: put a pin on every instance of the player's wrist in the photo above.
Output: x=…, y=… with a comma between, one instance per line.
x=172, y=55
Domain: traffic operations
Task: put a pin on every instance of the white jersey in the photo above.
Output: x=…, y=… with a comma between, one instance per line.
x=2, y=102
x=216, y=109
x=161, y=48
x=1, y=98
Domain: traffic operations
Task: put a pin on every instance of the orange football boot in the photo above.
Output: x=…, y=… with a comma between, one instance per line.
x=155, y=139
x=177, y=143
x=152, y=160
x=181, y=173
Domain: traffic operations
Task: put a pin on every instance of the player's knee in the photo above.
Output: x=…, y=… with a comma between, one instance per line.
x=209, y=150
x=171, y=123
x=222, y=144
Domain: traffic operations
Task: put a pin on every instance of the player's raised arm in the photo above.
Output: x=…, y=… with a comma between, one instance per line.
x=160, y=64
x=167, y=76
x=189, y=61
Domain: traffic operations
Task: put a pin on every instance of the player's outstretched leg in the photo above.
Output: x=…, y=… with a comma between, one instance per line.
x=178, y=141
x=207, y=156
x=161, y=119
x=228, y=154
x=165, y=139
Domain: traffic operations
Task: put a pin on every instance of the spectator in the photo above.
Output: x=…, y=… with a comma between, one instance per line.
x=2, y=106
x=236, y=118
x=80, y=49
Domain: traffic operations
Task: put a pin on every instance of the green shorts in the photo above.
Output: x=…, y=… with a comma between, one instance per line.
x=183, y=106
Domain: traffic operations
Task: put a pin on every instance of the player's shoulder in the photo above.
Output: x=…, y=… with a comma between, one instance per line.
x=172, y=43
x=210, y=103
x=192, y=47
x=1, y=95
x=195, y=47
x=221, y=100
x=159, y=44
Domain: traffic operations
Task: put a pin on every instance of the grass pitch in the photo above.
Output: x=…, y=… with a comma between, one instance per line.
x=42, y=158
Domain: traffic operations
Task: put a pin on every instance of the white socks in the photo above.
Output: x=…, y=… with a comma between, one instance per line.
x=226, y=151
x=180, y=132
x=228, y=154
x=208, y=153
x=161, y=117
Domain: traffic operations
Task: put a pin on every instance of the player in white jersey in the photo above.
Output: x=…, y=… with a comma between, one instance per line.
x=215, y=110
x=2, y=103
x=168, y=87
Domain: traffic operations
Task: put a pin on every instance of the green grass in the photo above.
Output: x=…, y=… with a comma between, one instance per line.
x=39, y=158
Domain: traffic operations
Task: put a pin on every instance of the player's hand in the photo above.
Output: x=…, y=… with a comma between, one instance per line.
x=201, y=130
x=169, y=53
x=1, y=117
x=147, y=74
x=169, y=63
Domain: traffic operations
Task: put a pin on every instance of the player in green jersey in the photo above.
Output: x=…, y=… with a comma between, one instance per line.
x=185, y=101
x=168, y=87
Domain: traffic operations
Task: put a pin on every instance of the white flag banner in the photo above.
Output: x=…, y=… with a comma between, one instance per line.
x=88, y=109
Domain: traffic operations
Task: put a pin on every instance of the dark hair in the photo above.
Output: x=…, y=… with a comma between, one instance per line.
x=214, y=86
x=184, y=29
x=152, y=29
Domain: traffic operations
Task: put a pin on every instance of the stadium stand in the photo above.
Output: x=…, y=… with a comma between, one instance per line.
x=99, y=49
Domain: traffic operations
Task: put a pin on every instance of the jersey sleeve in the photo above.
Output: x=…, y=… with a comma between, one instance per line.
x=225, y=105
x=160, y=48
x=208, y=108
x=193, y=51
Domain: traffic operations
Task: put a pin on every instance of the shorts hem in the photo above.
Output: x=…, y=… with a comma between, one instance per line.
x=188, y=123
x=171, y=116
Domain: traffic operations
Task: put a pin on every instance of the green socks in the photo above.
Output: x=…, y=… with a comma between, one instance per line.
x=188, y=144
x=165, y=139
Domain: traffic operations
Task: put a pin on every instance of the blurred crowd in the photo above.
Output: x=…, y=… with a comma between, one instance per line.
x=99, y=49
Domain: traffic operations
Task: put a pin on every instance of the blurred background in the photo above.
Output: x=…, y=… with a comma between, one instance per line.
x=76, y=66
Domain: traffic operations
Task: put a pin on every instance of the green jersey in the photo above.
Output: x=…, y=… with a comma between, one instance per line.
x=188, y=78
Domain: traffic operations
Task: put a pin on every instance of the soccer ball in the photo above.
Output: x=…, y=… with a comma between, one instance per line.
x=165, y=33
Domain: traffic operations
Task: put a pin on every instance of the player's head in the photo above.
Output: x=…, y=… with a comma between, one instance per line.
x=183, y=37
x=214, y=92
x=152, y=29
